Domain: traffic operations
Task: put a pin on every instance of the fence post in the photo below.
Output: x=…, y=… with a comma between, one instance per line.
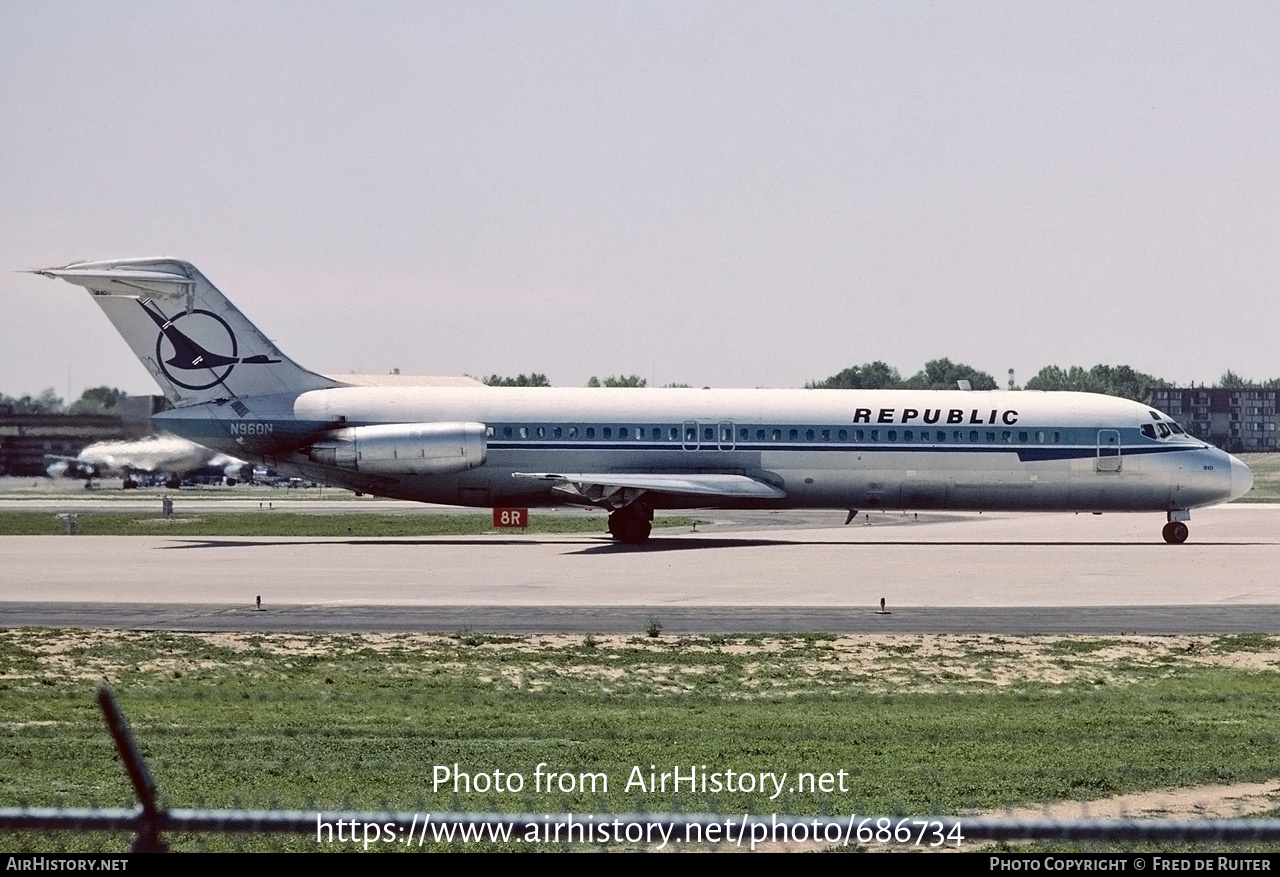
x=148, y=839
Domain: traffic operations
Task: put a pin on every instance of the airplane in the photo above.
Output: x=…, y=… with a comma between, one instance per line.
x=634, y=451
x=170, y=455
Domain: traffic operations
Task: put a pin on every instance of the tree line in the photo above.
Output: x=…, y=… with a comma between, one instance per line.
x=937, y=374
x=95, y=400
x=943, y=374
x=537, y=379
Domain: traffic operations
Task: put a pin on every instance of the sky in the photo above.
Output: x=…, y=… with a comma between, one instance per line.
x=719, y=194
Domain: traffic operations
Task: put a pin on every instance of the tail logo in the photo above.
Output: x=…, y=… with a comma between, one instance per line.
x=205, y=345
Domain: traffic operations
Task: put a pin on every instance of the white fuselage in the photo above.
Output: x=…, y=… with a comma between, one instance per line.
x=848, y=449
x=636, y=450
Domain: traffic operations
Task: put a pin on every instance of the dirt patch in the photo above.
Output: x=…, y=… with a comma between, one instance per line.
x=762, y=666
x=1201, y=802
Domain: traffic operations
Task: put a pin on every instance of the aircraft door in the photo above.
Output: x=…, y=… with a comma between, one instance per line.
x=690, y=433
x=724, y=435
x=1108, y=451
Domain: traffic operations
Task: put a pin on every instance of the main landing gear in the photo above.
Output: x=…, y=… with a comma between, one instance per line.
x=1175, y=532
x=632, y=523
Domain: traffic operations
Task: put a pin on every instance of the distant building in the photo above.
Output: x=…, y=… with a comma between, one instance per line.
x=1233, y=419
x=25, y=439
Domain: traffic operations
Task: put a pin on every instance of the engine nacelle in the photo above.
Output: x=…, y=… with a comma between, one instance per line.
x=403, y=448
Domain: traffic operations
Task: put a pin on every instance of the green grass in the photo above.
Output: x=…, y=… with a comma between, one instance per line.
x=1081, y=646
x=1244, y=642
x=278, y=523
x=1266, y=477
x=362, y=722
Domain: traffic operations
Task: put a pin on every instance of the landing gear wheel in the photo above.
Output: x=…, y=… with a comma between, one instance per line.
x=634, y=531
x=630, y=525
x=1175, y=532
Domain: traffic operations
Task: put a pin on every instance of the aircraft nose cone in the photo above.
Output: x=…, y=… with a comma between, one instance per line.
x=1241, y=479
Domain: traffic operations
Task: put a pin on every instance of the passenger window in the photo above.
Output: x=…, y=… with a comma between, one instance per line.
x=859, y=435
x=673, y=434
x=957, y=436
x=744, y=434
x=942, y=436
x=826, y=435
x=1057, y=437
x=488, y=431
x=708, y=434
x=541, y=432
x=573, y=432
x=1022, y=437
x=690, y=435
x=524, y=432
x=622, y=433
x=1040, y=437
x=794, y=434
x=843, y=435
x=760, y=435
x=556, y=432
x=973, y=435
x=591, y=432
x=808, y=435
x=1007, y=435
x=907, y=435
x=892, y=435
x=875, y=435
x=777, y=435
x=991, y=436
x=506, y=432
x=607, y=432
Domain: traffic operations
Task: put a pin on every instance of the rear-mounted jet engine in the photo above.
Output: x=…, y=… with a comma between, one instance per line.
x=403, y=448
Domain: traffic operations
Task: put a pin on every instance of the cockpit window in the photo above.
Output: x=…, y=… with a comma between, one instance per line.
x=1177, y=430
x=1165, y=432
x=1149, y=430
x=1154, y=415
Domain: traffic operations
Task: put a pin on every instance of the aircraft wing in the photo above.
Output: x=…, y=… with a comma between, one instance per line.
x=592, y=484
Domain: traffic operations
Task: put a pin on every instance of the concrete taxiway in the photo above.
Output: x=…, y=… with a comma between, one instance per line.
x=1023, y=573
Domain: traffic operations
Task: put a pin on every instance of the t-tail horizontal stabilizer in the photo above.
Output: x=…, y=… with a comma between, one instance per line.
x=196, y=344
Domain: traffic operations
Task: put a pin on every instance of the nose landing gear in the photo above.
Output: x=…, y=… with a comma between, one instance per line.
x=1175, y=532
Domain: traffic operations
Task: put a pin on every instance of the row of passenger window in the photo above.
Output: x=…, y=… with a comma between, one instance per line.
x=724, y=434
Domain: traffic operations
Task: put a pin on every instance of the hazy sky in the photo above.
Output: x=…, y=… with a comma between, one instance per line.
x=736, y=194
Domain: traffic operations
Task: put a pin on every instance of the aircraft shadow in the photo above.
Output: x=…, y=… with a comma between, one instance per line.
x=599, y=546
x=691, y=545
x=264, y=543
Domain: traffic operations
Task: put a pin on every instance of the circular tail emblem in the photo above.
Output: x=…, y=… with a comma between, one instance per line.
x=204, y=351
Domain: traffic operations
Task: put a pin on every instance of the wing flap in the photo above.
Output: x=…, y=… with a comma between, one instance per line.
x=691, y=484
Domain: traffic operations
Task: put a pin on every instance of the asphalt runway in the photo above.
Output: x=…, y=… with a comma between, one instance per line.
x=1058, y=573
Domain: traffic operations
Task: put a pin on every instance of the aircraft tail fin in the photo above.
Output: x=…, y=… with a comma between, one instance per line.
x=194, y=342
